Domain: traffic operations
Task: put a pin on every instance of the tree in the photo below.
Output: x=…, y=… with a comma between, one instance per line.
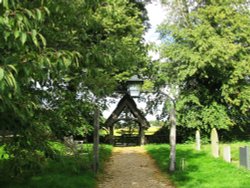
x=205, y=56
x=54, y=57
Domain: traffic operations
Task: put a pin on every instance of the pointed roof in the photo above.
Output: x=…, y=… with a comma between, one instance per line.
x=127, y=101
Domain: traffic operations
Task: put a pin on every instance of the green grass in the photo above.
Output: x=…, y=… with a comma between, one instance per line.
x=201, y=170
x=66, y=171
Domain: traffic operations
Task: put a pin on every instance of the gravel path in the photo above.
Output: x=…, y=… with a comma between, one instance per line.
x=131, y=167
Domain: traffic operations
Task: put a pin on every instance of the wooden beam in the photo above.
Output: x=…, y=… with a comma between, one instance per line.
x=127, y=101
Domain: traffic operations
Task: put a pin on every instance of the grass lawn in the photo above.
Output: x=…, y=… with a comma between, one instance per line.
x=66, y=171
x=201, y=170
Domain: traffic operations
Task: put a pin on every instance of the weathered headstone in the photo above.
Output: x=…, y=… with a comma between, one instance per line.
x=215, y=143
x=244, y=157
x=69, y=140
x=227, y=153
x=71, y=145
x=198, y=140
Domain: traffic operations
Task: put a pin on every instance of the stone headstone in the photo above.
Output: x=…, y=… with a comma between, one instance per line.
x=227, y=153
x=198, y=140
x=244, y=157
x=215, y=143
x=69, y=142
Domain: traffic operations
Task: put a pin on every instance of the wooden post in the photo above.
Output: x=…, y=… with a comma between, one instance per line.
x=96, y=140
x=172, y=139
x=142, y=136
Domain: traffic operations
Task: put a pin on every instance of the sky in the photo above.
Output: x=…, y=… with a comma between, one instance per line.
x=156, y=15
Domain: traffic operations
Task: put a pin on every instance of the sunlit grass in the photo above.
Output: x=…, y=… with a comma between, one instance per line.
x=135, y=131
x=150, y=131
x=200, y=169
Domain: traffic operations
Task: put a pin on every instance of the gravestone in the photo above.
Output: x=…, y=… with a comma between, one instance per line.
x=71, y=145
x=215, y=143
x=244, y=157
x=227, y=153
x=198, y=140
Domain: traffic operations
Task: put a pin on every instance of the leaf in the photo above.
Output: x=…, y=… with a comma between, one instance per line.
x=46, y=10
x=23, y=38
x=38, y=14
x=1, y=73
x=66, y=62
x=12, y=68
x=33, y=35
x=6, y=35
x=13, y=81
x=28, y=12
x=16, y=34
x=6, y=4
x=43, y=39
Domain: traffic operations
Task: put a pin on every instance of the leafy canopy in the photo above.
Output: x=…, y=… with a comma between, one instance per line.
x=206, y=53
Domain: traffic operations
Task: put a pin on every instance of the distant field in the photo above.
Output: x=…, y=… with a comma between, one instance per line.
x=150, y=131
x=199, y=169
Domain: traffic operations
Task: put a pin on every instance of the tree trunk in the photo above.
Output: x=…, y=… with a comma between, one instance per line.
x=111, y=135
x=96, y=140
x=172, y=139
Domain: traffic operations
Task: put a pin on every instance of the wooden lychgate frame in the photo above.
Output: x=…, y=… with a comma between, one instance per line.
x=127, y=102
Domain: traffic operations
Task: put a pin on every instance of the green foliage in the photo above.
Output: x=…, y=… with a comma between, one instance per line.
x=200, y=168
x=206, y=54
x=56, y=58
x=65, y=171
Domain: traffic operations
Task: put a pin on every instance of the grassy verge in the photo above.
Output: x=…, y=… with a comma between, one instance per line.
x=66, y=171
x=200, y=169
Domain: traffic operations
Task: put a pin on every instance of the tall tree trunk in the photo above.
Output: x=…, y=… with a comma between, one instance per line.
x=96, y=140
x=111, y=135
x=172, y=139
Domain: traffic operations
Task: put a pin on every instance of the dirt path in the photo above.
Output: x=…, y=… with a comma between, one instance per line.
x=131, y=167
